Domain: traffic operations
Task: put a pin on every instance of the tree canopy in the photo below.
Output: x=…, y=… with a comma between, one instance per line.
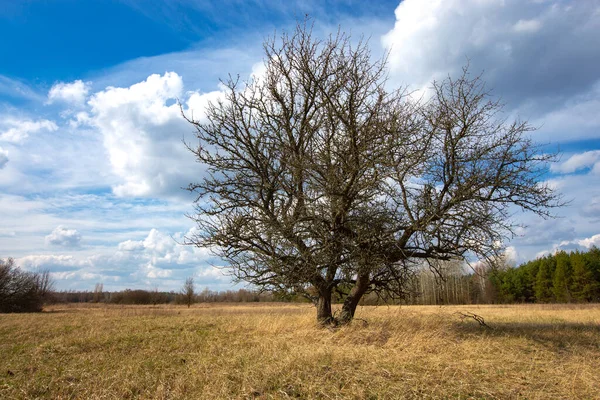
x=319, y=179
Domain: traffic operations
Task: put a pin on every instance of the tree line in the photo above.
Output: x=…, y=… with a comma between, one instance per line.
x=154, y=297
x=562, y=277
x=559, y=278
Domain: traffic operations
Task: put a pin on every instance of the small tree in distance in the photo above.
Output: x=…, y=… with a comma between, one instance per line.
x=98, y=293
x=320, y=180
x=188, y=291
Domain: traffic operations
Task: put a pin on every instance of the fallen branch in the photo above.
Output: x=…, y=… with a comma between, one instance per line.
x=476, y=317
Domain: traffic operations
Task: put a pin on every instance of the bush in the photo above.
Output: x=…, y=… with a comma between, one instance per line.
x=22, y=291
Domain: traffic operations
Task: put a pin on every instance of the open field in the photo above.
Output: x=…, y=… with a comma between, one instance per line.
x=277, y=351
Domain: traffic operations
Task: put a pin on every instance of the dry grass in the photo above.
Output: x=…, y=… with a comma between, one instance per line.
x=277, y=351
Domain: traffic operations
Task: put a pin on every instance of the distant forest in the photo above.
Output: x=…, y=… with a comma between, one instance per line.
x=560, y=278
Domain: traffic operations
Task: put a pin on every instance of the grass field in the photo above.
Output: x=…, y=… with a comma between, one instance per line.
x=277, y=351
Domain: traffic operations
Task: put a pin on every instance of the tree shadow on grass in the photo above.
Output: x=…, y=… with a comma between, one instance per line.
x=558, y=336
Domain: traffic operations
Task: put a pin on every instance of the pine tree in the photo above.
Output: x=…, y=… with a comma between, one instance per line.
x=583, y=284
x=562, y=278
x=543, y=282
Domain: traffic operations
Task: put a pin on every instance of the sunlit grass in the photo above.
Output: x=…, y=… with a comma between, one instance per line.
x=277, y=351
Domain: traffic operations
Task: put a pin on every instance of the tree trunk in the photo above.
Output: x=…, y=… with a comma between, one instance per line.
x=357, y=292
x=324, y=315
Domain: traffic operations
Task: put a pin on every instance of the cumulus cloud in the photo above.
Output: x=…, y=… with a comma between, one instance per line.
x=3, y=157
x=131, y=245
x=577, y=162
x=154, y=272
x=537, y=55
x=432, y=38
x=157, y=258
x=511, y=255
x=577, y=221
x=73, y=93
x=142, y=130
x=16, y=130
x=79, y=119
x=590, y=242
x=65, y=237
x=573, y=245
x=163, y=249
x=56, y=263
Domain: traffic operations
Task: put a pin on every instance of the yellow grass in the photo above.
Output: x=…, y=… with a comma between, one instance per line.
x=277, y=351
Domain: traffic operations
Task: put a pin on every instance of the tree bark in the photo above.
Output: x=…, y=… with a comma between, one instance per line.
x=324, y=315
x=357, y=292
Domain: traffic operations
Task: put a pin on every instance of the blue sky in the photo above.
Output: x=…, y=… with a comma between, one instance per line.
x=91, y=159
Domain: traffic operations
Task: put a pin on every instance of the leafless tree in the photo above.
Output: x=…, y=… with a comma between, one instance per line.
x=188, y=291
x=22, y=291
x=98, y=292
x=320, y=180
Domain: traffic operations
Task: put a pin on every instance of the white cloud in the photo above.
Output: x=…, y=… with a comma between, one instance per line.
x=156, y=260
x=141, y=134
x=591, y=241
x=511, y=255
x=62, y=236
x=163, y=250
x=432, y=38
x=3, y=157
x=573, y=245
x=81, y=118
x=56, y=262
x=577, y=162
x=197, y=103
x=537, y=56
x=576, y=220
x=158, y=243
x=527, y=26
x=153, y=272
x=15, y=130
x=131, y=245
x=73, y=93
x=142, y=128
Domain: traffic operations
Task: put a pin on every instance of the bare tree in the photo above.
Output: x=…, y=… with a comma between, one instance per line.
x=22, y=291
x=319, y=180
x=98, y=292
x=188, y=291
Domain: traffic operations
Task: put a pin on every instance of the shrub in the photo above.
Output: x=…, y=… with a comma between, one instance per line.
x=22, y=291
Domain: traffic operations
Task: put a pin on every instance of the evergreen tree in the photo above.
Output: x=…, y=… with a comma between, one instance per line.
x=529, y=276
x=562, y=278
x=543, y=282
x=583, y=285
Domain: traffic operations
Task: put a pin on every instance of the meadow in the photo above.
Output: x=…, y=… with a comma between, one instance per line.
x=265, y=351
